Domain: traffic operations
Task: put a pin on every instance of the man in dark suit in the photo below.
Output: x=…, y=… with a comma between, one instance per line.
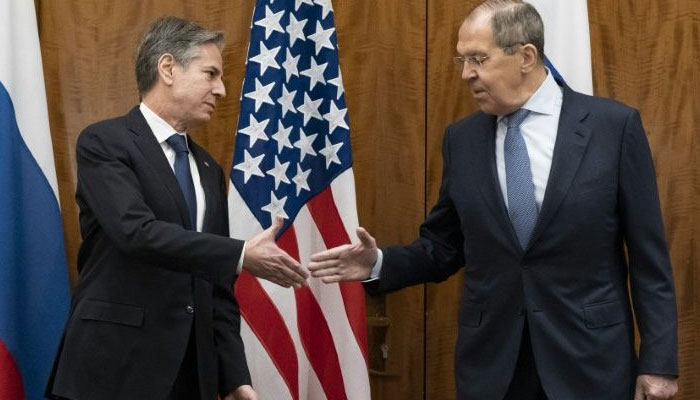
x=549, y=202
x=154, y=315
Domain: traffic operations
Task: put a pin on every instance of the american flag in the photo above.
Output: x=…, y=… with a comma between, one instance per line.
x=292, y=158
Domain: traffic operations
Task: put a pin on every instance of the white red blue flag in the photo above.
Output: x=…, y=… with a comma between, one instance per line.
x=34, y=294
x=567, y=42
x=292, y=159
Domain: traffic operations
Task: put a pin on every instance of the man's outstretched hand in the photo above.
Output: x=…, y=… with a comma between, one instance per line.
x=264, y=259
x=349, y=262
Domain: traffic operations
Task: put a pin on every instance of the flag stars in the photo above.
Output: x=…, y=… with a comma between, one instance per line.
x=322, y=38
x=310, y=108
x=261, y=94
x=338, y=83
x=250, y=166
x=266, y=58
x=271, y=22
x=295, y=29
x=305, y=144
x=290, y=65
x=276, y=206
x=331, y=152
x=298, y=3
x=315, y=73
x=286, y=100
x=279, y=172
x=301, y=179
x=327, y=7
x=282, y=137
x=255, y=130
x=336, y=118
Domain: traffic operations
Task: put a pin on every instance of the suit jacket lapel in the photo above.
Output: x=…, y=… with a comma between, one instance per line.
x=208, y=180
x=572, y=140
x=153, y=153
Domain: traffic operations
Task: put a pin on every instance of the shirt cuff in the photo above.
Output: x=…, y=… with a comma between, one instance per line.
x=377, y=268
x=239, y=267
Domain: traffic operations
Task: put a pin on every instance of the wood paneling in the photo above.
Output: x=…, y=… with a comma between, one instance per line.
x=402, y=90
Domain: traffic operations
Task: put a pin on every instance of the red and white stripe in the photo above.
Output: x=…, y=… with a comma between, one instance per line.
x=309, y=343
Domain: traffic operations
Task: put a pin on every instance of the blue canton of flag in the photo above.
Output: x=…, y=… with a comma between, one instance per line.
x=293, y=133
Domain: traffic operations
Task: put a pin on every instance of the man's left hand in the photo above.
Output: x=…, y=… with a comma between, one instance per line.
x=244, y=392
x=655, y=387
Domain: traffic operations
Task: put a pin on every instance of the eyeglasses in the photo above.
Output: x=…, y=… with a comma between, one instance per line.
x=473, y=61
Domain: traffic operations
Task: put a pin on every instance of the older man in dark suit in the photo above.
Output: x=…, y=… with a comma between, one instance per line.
x=154, y=315
x=549, y=202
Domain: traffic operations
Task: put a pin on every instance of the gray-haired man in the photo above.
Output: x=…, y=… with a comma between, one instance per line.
x=154, y=316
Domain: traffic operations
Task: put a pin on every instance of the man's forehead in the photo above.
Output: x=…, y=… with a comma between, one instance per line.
x=475, y=35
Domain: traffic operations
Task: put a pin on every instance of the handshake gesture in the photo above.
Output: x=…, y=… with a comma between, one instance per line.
x=350, y=262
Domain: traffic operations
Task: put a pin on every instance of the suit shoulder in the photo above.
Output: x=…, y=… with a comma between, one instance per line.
x=603, y=105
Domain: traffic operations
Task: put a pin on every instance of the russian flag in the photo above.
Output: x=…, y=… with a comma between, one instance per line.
x=34, y=295
x=567, y=42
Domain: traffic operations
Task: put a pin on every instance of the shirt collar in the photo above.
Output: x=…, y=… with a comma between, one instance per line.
x=161, y=129
x=544, y=100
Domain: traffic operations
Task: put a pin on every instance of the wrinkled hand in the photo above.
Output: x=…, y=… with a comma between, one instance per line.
x=655, y=387
x=349, y=262
x=244, y=392
x=264, y=259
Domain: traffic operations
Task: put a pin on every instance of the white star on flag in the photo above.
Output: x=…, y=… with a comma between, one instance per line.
x=290, y=65
x=271, y=22
x=266, y=58
x=276, y=206
x=338, y=83
x=331, y=152
x=251, y=166
x=322, y=38
x=315, y=73
x=282, y=137
x=298, y=3
x=310, y=108
x=295, y=29
x=336, y=118
x=261, y=94
x=286, y=100
x=327, y=7
x=255, y=130
x=279, y=172
x=301, y=179
x=305, y=144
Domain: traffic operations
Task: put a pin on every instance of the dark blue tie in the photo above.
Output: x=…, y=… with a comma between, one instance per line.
x=184, y=175
x=522, y=207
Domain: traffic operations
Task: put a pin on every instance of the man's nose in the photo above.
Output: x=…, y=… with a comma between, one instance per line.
x=468, y=72
x=219, y=89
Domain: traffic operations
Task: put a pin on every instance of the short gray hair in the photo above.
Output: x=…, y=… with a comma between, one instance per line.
x=514, y=22
x=170, y=35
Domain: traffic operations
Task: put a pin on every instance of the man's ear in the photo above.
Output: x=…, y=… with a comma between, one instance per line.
x=530, y=57
x=166, y=66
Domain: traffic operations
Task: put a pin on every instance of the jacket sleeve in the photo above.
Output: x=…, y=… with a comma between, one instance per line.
x=651, y=280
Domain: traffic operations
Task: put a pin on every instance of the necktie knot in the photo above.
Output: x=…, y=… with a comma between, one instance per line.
x=516, y=118
x=178, y=143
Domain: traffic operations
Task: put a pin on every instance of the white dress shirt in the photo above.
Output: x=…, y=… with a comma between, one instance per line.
x=539, y=129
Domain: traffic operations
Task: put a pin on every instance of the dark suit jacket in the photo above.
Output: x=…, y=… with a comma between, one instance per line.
x=146, y=278
x=571, y=282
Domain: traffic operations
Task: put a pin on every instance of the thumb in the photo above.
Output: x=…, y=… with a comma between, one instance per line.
x=366, y=239
x=277, y=224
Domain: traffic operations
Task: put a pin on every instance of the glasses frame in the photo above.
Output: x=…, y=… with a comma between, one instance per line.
x=477, y=61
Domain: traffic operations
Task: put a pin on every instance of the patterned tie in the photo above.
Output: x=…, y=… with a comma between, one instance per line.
x=184, y=175
x=522, y=207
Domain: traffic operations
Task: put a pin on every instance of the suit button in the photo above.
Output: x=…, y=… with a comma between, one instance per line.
x=189, y=309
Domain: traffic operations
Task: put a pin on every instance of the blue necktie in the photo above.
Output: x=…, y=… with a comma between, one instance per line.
x=522, y=207
x=184, y=175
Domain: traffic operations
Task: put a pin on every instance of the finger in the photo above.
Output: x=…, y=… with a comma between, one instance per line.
x=277, y=224
x=295, y=268
x=325, y=272
x=332, y=279
x=321, y=265
x=330, y=253
x=366, y=239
